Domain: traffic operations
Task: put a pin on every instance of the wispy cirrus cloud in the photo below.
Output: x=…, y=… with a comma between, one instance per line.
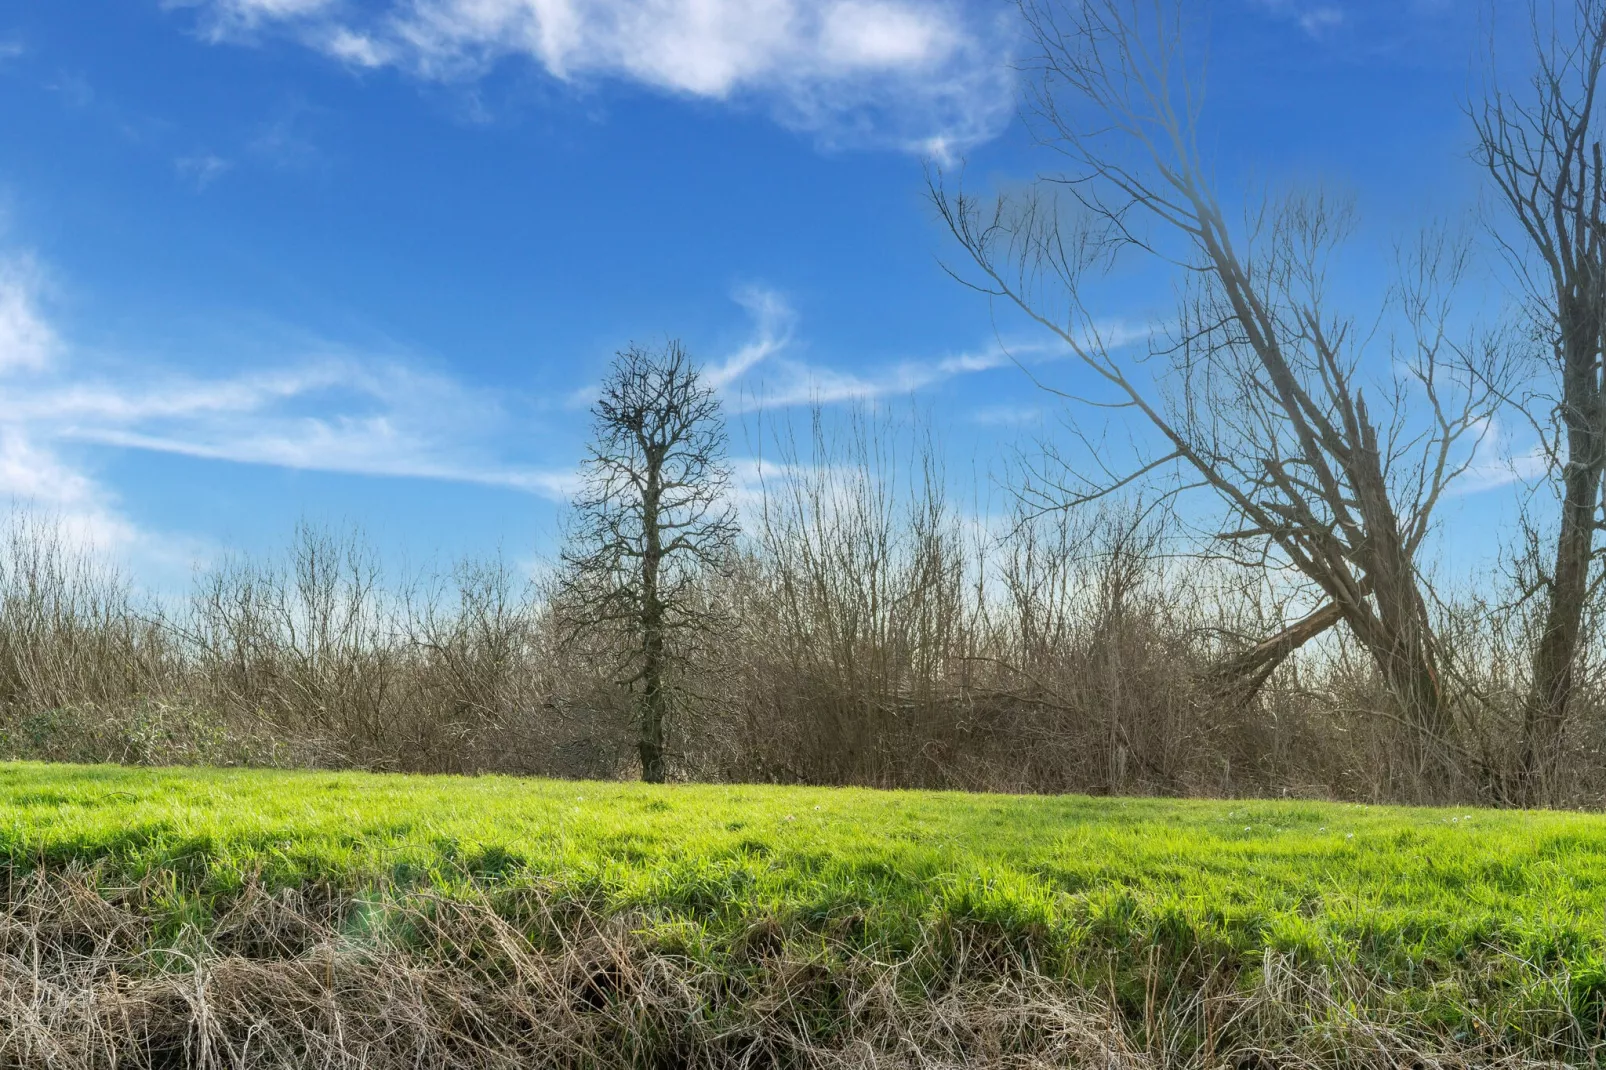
x=1315, y=17
x=201, y=168
x=927, y=75
x=1502, y=458
x=773, y=320
x=31, y=471
x=766, y=373
x=325, y=409
x=1007, y=415
x=330, y=411
x=766, y=370
x=26, y=339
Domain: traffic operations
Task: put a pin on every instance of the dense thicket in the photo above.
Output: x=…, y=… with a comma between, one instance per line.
x=875, y=634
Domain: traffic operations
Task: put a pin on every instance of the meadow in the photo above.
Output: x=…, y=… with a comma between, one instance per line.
x=812, y=925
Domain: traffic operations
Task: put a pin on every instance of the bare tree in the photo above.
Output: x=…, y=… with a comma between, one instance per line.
x=1327, y=441
x=1542, y=148
x=653, y=513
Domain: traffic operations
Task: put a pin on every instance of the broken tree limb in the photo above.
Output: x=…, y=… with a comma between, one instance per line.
x=1247, y=672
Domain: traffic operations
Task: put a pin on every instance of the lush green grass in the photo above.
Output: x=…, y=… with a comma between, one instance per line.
x=1446, y=902
x=1378, y=882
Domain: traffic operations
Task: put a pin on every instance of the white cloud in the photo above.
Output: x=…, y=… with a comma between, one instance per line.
x=926, y=75
x=763, y=374
x=856, y=33
x=32, y=472
x=1315, y=19
x=232, y=16
x=370, y=447
x=26, y=340
x=35, y=477
x=333, y=410
x=332, y=413
x=328, y=410
x=1500, y=460
x=356, y=48
x=772, y=331
x=1320, y=19
x=203, y=168
x=1007, y=415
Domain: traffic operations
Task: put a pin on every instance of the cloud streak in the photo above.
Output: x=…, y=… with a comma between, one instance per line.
x=1315, y=18
x=26, y=340
x=31, y=471
x=930, y=76
x=763, y=373
x=773, y=320
x=328, y=411
x=203, y=168
x=1500, y=460
x=332, y=413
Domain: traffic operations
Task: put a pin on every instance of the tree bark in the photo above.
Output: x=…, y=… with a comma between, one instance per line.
x=654, y=701
x=1244, y=674
x=1401, y=641
x=1555, y=656
x=651, y=743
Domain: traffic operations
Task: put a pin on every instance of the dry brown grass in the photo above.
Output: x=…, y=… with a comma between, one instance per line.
x=312, y=979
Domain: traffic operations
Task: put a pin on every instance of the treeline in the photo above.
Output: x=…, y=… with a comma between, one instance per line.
x=871, y=632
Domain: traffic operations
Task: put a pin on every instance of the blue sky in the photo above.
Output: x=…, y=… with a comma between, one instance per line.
x=360, y=260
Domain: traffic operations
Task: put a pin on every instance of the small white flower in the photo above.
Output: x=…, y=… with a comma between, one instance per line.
x=1349, y=835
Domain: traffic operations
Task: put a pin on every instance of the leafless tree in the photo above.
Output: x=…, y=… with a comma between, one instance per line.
x=653, y=513
x=1328, y=441
x=1542, y=148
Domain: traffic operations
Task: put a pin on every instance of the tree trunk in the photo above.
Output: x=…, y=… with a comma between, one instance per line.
x=1400, y=640
x=1398, y=634
x=650, y=741
x=1555, y=657
x=1545, y=157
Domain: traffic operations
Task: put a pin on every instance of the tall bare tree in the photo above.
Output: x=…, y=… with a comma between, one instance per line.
x=1542, y=149
x=652, y=514
x=1328, y=444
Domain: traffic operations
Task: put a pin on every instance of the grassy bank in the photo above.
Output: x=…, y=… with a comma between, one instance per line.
x=1179, y=932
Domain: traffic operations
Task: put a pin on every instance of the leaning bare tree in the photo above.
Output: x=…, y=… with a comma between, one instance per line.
x=652, y=514
x=1327, y=443
x=1542, y=148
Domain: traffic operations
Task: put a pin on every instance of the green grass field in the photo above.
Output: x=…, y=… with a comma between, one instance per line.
x=1449, y=910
